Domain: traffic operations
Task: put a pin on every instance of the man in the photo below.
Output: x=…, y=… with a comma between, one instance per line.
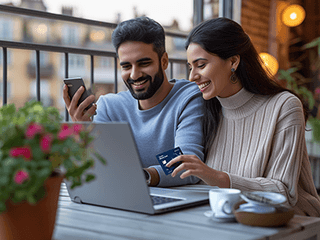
x=162, y=114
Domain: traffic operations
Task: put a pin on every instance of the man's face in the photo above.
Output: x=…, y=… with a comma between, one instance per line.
x=141, y=69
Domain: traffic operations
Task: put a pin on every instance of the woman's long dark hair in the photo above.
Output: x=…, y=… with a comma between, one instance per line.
x=226, y=38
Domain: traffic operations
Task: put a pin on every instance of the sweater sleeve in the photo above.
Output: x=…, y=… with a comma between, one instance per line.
x=188, y=136
x=285, y=156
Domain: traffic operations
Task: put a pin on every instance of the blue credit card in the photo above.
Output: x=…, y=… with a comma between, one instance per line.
x=165, y=157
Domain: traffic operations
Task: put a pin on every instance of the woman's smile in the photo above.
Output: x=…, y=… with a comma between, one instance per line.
x=203, y=86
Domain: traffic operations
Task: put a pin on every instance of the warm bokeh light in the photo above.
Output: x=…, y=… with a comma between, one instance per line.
x=41, y=29
x=97, y=36
x=270, y=62
x=293, y=15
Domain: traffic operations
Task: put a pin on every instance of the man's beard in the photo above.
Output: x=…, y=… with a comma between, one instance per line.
x=152, y=89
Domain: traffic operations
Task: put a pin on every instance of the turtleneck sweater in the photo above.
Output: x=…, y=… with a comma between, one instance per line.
x=260, y=143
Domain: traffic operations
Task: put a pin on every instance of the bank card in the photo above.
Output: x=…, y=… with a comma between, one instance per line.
x=165, y=157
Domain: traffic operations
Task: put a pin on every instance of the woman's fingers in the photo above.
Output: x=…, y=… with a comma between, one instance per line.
x=180, y=158
x=190, y=163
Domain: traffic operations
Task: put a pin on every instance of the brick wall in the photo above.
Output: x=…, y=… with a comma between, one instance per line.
x=255, y=22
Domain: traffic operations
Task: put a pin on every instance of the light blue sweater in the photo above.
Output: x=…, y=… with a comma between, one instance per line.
x=176, y=121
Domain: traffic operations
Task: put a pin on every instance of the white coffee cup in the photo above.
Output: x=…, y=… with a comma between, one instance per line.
x=222, y=201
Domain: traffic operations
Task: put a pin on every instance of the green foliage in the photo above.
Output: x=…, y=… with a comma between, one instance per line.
x=33, y=145
x=291, y=76
x=315, y=124
x=313, y=43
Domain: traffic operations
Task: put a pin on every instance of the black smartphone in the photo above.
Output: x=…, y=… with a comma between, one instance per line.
x=73, y=85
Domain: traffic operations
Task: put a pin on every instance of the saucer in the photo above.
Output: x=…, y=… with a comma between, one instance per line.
x=210, y=215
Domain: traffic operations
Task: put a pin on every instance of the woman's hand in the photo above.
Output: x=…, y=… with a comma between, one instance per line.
x=193, y=166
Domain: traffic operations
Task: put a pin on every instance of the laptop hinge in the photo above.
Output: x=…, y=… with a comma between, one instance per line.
x=77, y=199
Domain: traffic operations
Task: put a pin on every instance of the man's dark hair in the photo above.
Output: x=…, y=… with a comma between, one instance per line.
x=141, y=29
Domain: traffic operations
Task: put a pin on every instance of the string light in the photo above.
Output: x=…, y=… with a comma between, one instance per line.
x=270, y=63
x=293, y=15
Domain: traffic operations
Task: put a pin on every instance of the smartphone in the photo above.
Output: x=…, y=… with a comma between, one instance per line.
x=73, y=85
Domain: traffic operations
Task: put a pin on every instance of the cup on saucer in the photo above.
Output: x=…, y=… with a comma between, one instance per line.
x=222, y=201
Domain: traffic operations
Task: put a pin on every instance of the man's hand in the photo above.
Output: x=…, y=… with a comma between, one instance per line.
x=77, y=113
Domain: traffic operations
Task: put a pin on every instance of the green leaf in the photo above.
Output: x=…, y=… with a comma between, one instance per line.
x=315, y=42
x=41, y=193
x=315, y=123
x=89, y=177
x=31, y=199
x=68, y=164
x=2, y=206
x=19, y=196
x=76, y=182
x=100, y=158
x=4, y=180
x=306, y=94
x=44, y=173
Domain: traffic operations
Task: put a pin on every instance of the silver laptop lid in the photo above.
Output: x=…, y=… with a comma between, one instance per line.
x=121, y=182
x=114, y=185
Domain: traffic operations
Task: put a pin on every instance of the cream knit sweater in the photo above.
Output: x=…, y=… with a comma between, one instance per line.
x=260, y=143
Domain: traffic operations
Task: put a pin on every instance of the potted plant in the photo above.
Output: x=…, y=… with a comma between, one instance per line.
x=37, y=151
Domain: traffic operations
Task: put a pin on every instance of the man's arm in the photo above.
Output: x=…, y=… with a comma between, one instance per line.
x=77, y=113
x=188, y=137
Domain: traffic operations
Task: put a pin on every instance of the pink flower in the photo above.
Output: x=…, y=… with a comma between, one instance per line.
x=77, y=128
x=21, y=151
x=65, y=132
x=64, y=126
x=317, y=91
x=21, y=176
x=33, y=129
x=45, y=143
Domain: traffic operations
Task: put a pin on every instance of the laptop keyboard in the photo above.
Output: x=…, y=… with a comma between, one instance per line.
x=156, y=200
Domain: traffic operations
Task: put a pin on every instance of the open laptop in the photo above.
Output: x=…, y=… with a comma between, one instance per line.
x=121, y=182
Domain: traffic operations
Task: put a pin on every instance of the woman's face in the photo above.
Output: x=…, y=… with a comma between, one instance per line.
x=212, y=73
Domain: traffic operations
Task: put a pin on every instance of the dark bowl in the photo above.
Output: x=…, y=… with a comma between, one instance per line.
x=276, y=219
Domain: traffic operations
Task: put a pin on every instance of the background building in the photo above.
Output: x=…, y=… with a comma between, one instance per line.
x=22, y=63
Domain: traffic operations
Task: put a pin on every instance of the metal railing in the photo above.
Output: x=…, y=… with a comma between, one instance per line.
x=66, y=50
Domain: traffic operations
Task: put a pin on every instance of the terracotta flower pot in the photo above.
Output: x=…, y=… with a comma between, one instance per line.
x=25, y=221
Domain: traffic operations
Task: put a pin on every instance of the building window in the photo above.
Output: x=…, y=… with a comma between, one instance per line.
x=44, y=58
x=44, y=92
x=9, y=57
x=8, y=89
x=75, y=61
x=70, y=35
x=179, y=43
x=106, y=62
x=6, y=29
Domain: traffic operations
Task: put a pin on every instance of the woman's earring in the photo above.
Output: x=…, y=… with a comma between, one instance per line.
x=233, y=77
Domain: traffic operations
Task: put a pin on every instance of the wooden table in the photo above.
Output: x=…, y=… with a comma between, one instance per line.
x=81, y=221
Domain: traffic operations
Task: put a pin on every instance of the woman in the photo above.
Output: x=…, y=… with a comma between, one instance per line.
x=253, y=128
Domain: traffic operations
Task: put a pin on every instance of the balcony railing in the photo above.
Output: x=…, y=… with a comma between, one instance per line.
x=62, y=49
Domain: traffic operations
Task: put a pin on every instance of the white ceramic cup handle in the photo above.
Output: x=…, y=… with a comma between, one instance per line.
x=225, y=206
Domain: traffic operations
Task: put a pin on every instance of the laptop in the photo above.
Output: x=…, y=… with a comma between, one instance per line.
x=121, y=183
